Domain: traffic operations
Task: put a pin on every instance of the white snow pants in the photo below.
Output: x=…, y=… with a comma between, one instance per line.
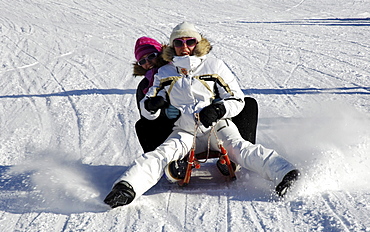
x=149, y=168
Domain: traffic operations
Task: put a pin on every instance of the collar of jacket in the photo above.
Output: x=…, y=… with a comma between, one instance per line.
x=187, y=64
x=203, y=48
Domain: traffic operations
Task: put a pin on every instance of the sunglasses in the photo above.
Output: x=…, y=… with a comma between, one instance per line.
x=146, y=59
x=190, y=42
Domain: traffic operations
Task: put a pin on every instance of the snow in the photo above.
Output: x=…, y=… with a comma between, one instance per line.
x=67, y=114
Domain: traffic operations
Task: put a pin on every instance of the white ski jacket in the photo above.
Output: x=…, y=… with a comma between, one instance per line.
x=191, y=83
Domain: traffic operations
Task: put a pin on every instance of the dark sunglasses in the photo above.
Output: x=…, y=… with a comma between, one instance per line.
x=190, y=42
x=146, y=59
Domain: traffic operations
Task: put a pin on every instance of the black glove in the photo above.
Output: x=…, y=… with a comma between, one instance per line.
x=152, y=104
x=211, y=113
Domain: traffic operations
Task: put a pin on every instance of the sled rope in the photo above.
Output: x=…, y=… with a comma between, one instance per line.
x=213, y=131
x=196, y=126
x=224, y=158
x=191, y=157
x=194, y=162
x=208, y=139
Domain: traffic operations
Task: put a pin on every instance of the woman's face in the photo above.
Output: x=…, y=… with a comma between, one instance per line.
x=150, y=61
x=184, y=46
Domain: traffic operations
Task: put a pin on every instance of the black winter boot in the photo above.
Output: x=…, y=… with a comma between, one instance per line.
x=289, y=179
x=224, y=169
x=176, y=170
x=121, y=194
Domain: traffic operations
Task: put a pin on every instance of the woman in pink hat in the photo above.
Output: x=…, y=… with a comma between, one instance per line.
x=148, y=54
x=148, y=60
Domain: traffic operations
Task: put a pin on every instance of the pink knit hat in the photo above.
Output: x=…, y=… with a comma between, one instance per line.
x=146, y=45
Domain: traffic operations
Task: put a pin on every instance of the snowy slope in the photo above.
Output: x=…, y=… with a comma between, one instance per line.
x=67, y=114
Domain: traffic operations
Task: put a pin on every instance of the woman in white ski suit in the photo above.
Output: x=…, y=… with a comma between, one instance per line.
x=191, y=83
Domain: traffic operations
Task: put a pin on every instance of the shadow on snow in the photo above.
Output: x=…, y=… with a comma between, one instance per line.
x=321, y=22
x=76, y=93
x=294, y=91
x=60, y=189
x=286, y=91
x=84, y=191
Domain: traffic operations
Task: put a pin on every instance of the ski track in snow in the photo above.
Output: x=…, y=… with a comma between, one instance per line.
x=68, y=109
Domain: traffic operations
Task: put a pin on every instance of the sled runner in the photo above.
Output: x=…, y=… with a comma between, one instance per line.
x=194, y=162
x=179, y=171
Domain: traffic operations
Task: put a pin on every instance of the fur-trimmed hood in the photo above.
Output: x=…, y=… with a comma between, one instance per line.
x=203, y=48
x=138, y=70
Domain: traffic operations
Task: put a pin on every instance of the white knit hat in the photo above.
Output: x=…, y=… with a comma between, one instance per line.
x=184, y=29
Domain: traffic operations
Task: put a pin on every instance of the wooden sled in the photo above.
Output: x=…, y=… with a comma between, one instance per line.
x=194, y=162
